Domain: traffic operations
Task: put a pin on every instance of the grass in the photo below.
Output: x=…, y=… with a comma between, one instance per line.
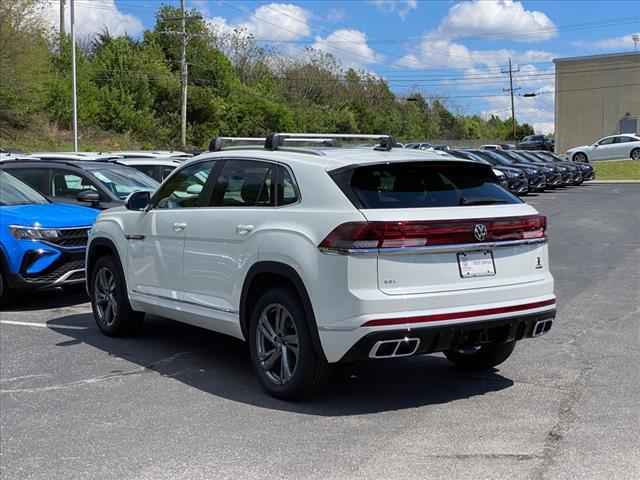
x=41, y=135
x=617, y=170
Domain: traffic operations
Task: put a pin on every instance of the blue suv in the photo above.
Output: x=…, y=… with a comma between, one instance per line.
x=42, y=244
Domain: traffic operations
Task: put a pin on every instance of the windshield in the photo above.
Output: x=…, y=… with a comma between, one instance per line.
x=493, y=157
x=14, y=192
x=123, y=181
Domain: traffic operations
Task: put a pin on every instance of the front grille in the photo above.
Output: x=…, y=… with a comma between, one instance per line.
x=72, y=237
x=51, y=276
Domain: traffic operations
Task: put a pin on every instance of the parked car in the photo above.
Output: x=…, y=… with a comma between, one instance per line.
x=569, y=173
x=42, y=244
x=513, y=179
x=419, y=146
x=99, y=184
x=588, y=172
x=131, y=154
x=157, y=168
x=324, y=256
x=536, y=142
x=491, y=147
x=442, y=148
x=535, y=174
x=553, y=174
x=608, y=148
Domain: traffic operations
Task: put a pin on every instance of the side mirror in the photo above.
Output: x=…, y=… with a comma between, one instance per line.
x=138, y=200
x=89, y=196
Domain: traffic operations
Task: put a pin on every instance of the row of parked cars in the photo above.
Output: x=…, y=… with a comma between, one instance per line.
x=314, y=255
x=524, y=171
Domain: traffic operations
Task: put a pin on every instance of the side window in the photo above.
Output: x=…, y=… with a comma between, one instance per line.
x=189, y=188
x=246, y=183
x=287, y=192
x=606, y=141
x=148, y=170
x=625, y=139
x=36, y=178
x=67, y=184
x=165, y=172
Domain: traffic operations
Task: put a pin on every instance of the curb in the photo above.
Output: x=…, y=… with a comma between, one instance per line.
x=593, y=182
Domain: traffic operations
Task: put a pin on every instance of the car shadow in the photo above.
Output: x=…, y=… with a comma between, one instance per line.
x=220, y=365
x=46, y=299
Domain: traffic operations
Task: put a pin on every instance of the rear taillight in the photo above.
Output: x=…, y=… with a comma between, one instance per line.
x=364, y=235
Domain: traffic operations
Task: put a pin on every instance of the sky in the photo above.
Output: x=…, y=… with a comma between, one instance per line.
x=454, y=50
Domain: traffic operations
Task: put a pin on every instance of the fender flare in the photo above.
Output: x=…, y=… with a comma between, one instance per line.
x=90, y=259
x=288, y=272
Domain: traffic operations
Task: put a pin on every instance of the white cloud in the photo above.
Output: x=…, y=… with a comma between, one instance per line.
x=350, y=46
x=442, y=53
x=278, y=21
x=402, y=7
x=94, y=18
x=495, y=19
x=536, y=111
x=615, y=43
x=273, y=21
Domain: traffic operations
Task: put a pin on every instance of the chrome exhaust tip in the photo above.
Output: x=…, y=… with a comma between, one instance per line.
x=541, y=327
x=401, y=347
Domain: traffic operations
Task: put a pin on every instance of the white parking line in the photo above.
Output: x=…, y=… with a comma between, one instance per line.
x=42, y=325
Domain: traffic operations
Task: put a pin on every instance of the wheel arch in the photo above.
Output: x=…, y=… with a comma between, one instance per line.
x=269, y=273
x=98, y=248
x=573, y=155
x=634, y=149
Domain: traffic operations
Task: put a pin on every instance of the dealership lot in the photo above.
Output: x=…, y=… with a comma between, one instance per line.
x=180, y=402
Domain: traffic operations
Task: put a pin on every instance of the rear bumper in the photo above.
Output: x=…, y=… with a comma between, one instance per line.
x=447, y=337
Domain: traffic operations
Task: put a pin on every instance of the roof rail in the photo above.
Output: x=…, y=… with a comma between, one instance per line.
x=276, y=140
x=218, y=143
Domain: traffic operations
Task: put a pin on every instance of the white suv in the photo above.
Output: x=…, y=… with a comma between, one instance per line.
x=319, y=256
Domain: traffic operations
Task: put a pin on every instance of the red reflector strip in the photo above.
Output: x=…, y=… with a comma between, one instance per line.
x=457, y=315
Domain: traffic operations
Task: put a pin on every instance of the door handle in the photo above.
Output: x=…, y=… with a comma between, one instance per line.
x=244, y=229
x=179, y=227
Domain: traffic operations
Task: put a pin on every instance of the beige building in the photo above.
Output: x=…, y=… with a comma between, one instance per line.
x=593, y=94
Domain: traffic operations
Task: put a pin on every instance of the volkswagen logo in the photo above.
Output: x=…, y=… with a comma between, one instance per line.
x=480, y=232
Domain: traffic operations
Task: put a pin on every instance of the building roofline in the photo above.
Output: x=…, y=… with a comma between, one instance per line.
x=596, y=57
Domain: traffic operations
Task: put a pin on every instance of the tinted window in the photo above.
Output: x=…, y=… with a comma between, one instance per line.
x=67, y=184
x=15, y=192
x=165, y=172
x=245, y=183
x=149, y=170
x=421, y=184
x=36, y=178
x=606, y=141
x=625, y=139
x=188, y=188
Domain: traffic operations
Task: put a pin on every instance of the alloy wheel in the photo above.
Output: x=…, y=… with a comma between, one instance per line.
x=278, y=344
x=635, y=155
x=104, y=293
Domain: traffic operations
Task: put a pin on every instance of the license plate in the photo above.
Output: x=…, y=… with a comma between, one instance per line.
x=476, y=264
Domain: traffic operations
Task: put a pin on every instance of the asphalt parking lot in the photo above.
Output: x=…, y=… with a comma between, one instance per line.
x=181, y=403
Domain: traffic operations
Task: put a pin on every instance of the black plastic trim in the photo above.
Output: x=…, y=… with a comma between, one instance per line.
x=445, y=337
x=291, y=275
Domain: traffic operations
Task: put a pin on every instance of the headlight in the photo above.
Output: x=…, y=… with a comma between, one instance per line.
x=32, y=233
x=532, y=171
x=498, y=173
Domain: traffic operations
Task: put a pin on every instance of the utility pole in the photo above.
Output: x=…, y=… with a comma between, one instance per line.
x=511, y=71
x=73, y=77
x=61, y=21
x=183, y=76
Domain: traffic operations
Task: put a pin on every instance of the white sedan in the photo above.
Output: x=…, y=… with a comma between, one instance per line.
x=608, y=148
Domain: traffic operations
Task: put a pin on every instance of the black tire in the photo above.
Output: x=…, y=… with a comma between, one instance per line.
x=308, y=370
x=635, y=154
x=4, y=289
x=485, y=357
x=122, y=320
x=580, y=157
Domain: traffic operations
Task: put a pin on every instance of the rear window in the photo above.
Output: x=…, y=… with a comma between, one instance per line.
x=421, y=185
